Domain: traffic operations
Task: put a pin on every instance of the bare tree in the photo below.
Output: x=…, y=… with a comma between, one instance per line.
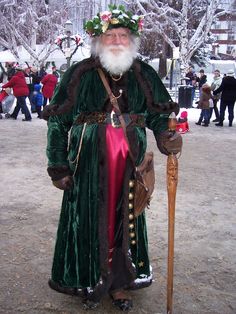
x=182, y=24
x=27, y=23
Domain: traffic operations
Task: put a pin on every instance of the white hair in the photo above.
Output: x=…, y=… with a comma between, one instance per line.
x=115, y=63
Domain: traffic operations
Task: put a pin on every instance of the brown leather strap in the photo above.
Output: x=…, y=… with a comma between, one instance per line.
x=115, y=104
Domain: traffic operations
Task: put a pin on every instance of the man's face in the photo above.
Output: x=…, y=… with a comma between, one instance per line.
x=216, y=74
x=116, y=48
x=116, y=39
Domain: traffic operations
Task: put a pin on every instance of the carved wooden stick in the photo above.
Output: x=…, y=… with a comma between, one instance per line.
x=172, y=180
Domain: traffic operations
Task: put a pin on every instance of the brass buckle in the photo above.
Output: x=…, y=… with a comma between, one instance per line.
x=115, y=122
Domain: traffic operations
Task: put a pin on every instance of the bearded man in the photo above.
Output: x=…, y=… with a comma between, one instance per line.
x=101, y=246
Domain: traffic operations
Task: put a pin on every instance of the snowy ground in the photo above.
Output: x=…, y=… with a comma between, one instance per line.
x=205, y=237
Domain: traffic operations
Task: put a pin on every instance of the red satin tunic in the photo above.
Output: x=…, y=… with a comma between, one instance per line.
x=117, y=152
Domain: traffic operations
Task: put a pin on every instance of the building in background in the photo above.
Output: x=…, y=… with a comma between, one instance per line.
x=224, y=30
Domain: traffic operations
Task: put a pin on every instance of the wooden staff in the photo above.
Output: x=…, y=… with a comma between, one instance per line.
x=172, y=180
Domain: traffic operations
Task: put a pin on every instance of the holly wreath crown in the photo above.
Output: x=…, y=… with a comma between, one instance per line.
x=117, y=16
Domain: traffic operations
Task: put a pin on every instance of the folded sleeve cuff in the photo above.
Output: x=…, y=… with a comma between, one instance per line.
x=58, y=172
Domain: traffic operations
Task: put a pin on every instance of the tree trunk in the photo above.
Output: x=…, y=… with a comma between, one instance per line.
x=162, y=61
x=162, y=66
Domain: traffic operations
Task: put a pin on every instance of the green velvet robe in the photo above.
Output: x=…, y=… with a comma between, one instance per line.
x=81, y=251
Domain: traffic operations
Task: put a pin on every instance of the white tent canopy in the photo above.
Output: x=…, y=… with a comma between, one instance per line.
x=7, y=56
x=56, y=56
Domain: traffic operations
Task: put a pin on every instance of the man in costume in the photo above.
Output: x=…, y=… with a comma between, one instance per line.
x=101, y=247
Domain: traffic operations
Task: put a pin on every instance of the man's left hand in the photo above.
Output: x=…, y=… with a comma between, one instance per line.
x=170, y=142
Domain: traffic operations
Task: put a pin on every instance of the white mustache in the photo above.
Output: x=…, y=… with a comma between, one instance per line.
x=120, y=47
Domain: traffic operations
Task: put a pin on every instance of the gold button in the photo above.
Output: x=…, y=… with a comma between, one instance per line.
x=131, y=183
x=131, y=196
x=131, y=226
x=131, y=205
x=131, y=216
x=133, y=242
x=132, y=234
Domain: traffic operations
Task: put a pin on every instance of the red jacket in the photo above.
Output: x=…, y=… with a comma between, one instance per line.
x=18, y=83
x=49, y=82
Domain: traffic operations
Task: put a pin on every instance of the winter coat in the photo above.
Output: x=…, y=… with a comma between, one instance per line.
x=204, y=100
x=37, y=98
x=216, y=84
x=49, y=83
x=228, y=89
x=201, y=80
x=192, y=78
x=82, y=238
x=18, y=84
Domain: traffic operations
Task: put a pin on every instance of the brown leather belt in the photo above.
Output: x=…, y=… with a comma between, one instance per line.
x=110, y=118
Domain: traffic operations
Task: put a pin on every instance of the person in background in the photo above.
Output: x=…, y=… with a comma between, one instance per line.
x=191, y=76
x=182, y=125
x=55, y=72
x=30, y=84
x=192, y=81
x=101, y=248
x=204, y=105
x=42, y=72
x=20, y=91
x=227, y=89
x=49, y=83
x=10, y=69
x=214, y=85
x=201, y=80
x=37, y=99
x=35, y=75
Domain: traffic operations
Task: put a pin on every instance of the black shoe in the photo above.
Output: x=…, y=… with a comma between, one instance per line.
x=204, y=124
x=198, y=123
x=216, y=120
x=89, y=305
x=26, y=119
x=219, y=124
x=230, y=123
x=122, y=304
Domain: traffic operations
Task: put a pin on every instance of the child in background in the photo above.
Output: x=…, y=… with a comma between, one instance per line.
x=182, y=124
x=37, y=99
x=204, y=104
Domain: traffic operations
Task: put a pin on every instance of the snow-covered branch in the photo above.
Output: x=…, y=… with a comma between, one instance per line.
x=28, y=23
x=185, y=23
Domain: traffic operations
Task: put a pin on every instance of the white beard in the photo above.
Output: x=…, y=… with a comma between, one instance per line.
x=116, y=62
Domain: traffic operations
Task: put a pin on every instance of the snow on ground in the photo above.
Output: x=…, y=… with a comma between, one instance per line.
x=205, y=233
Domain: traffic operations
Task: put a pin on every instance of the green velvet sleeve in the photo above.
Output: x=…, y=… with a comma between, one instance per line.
x=58, y=129
x=157, y=122
x=57, y=140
